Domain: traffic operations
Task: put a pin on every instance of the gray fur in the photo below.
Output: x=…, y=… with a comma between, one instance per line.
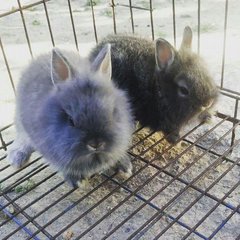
x=98, y=110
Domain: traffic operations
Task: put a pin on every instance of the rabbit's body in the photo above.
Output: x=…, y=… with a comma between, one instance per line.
x=133, y=62
x=133, y=65
x=154, y=74
x=81, y=125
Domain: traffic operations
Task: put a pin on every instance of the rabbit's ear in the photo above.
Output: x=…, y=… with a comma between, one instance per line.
x=187, y=39
x=102, y=63
x=60, y=68
x=164, y=54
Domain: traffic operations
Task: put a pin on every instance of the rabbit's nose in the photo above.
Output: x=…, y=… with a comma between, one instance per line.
x=95, y=145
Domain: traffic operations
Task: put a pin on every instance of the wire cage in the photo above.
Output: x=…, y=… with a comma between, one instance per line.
x=189, y=190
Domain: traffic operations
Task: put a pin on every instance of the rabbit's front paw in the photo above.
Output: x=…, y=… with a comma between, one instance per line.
x=17, y=158
x=205, y=117
x=127, y=174
x=173, y=137
x=83, y=183
x=124, y=167
x=76, y=183
x=73, y=182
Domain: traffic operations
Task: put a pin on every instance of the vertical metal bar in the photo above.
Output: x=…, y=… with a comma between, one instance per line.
x=224, y=42
x=25, y=28
x=8, y=68
x=235, y=116
x=113, y=16
x=174, y=22
x=151, y=19
x=94, y=22
x=73, y=25
x=131, y=13
x=3, y=142
x=199, y=24
x=48, y=22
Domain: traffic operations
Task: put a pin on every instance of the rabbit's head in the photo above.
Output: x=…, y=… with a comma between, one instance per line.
x=186, y=87
x=85, y=115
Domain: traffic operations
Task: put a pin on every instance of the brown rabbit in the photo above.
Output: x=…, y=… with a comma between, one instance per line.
x=166, y=87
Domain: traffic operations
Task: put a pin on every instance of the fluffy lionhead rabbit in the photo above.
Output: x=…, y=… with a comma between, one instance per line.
x=166, y=87
x=71, y=112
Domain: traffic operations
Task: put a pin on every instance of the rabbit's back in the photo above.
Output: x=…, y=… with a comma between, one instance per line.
x=133, y=64
x=133, y=60
x=33, y=86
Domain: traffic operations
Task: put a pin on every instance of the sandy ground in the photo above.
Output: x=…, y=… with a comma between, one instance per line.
x=211, y=48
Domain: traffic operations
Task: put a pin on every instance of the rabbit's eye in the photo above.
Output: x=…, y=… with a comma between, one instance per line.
x=70, y=121
x=183, y=91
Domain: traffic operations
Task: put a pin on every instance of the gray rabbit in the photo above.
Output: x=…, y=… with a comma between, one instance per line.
x=166, y=87
x=70, y=111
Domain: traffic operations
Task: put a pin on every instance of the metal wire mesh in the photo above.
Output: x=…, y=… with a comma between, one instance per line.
x=189, y=190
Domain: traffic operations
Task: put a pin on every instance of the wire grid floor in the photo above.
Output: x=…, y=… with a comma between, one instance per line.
x=175, y=192
x=187, y=191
